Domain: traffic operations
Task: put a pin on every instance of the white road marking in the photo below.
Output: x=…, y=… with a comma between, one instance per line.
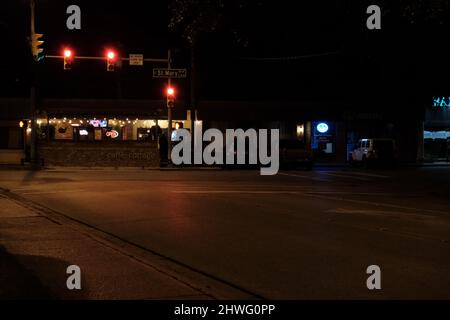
x=373, y=212
x=365, y=174
x=344, y=176
x=377, y=204
x=301, y=176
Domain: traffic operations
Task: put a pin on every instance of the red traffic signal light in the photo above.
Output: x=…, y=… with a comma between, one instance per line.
x=110, y=60
x=67, y=53
x=170, y=96
x=68, y=57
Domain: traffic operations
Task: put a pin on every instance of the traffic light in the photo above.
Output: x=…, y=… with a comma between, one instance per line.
x=170, y=96
x=110, y=60
x=36, y=46
x=68, y=58
x=23, y=124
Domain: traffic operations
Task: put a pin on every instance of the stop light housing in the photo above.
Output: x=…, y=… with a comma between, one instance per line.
x=110, y=60
x=36, y=44
x=170, y=92
x=68, y=58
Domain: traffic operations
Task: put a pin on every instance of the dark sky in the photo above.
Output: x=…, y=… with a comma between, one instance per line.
x=395, y=60
x=133, y=27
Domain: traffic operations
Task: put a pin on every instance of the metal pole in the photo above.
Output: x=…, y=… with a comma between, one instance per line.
x=169, y=110
x=103, y=58
x=33, y=147
x=32, y=5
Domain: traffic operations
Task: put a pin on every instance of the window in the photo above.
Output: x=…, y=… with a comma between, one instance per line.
x=103, y=129
x=11, y=138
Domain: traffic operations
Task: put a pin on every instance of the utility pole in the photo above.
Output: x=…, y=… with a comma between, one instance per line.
x=33, y=147
x=169, y=110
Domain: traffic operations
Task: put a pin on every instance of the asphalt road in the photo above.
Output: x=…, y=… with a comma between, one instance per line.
x=297, y=235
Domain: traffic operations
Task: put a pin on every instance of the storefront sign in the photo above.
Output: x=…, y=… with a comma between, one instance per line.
x=128, y=156
x=63, y=131
x=322, y=127
x=98, y=123
x=441, y=102
x=323, y=137
x=112, y=134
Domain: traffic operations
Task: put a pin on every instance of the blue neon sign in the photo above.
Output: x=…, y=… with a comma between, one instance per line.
x=322, y=127
x=441, y=102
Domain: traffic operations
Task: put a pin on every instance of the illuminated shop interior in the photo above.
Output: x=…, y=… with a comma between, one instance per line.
x=103, y=129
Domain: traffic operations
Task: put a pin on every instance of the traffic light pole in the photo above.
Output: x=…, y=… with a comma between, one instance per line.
x=169, y=110
x=33, y=143
x=103, y=58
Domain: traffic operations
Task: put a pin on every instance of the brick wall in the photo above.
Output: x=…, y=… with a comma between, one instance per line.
x=127, y=154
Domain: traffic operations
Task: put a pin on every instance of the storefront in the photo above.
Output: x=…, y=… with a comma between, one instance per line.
x=437, y=130
x=103, y=129
x=92, y=141
x=112, y=133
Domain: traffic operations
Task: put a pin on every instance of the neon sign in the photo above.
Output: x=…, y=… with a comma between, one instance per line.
x=322, y=127
x=112, y=134
x=98, y=123
x=441, y=102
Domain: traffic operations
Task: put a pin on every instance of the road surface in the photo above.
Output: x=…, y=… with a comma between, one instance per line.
x=297, y=235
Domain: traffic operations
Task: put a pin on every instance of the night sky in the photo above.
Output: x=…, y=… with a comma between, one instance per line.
x=342, y=59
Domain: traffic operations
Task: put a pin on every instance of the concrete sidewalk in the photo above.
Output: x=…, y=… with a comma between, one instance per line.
x=36, y=249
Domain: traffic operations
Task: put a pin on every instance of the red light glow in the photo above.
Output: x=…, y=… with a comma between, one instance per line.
x=67, y=53
x=111, y=55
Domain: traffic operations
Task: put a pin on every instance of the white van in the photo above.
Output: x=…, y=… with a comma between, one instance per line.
x=374, y=151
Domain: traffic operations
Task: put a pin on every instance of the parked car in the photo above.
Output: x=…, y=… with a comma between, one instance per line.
x=295, y=153
x=374, y=151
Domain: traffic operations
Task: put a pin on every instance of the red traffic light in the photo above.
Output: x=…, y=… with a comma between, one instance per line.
x=170, y=91
x=67, y=53
x=111, y=55
x=68, y=56
x=170, y=96
x=110, y=60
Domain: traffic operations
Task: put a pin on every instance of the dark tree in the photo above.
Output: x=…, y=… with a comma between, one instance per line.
x=192, y=20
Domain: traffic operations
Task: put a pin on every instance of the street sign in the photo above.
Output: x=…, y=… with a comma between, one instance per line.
x=169, y=73
x=136, y=59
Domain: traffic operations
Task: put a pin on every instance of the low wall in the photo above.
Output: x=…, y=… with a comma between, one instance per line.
x=91, y=154
x=10, y=156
